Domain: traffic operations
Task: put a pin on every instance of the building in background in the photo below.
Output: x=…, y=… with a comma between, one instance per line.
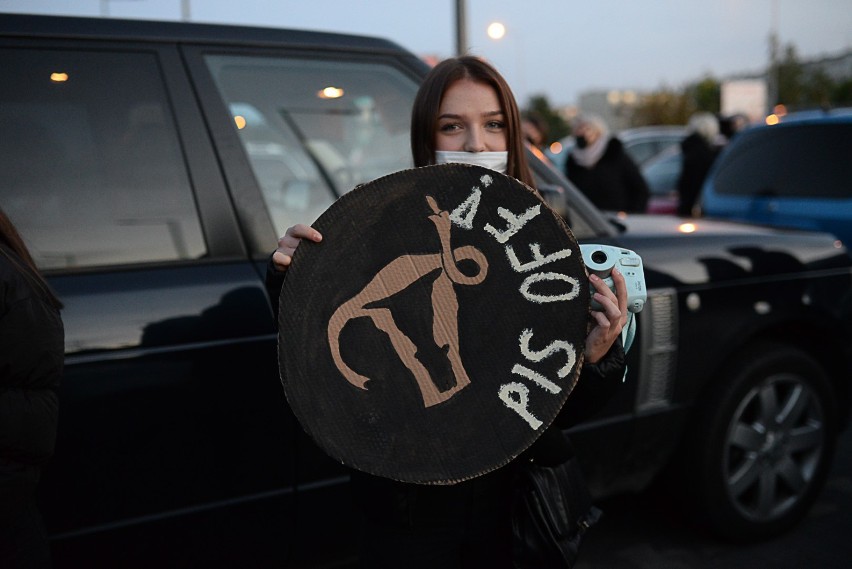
x=748, y=97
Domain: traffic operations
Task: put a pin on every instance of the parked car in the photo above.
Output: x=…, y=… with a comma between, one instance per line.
x=661, y=173
x=151, y=167
x=641, y=143
x=797, y=173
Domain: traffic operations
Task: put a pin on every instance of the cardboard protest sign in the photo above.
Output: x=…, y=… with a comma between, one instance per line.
x=438, y=328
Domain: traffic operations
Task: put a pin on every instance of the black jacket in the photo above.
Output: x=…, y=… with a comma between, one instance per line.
x=614, y=183
x=698, y=157
x=32, y=346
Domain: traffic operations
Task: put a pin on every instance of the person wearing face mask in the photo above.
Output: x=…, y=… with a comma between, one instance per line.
x=602, y=170
x=465, y=112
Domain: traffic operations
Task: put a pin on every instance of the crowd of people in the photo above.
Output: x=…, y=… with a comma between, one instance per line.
x=604, y=172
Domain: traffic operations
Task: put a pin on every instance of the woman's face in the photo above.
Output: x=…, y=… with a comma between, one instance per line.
x=470, y=119
x=587, y=131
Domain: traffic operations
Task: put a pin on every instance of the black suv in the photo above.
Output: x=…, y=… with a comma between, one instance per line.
x=151, y=166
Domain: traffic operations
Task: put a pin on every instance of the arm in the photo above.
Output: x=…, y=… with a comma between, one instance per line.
x=32, y=362
x=604, y=365
x=282, y=257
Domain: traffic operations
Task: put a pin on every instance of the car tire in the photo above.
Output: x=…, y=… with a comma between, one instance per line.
x=763, y=444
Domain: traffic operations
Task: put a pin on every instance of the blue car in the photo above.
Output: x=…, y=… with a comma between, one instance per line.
x=797, y=173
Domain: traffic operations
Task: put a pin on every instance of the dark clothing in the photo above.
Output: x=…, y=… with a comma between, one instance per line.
x=465, y=525
x=614, y=183
x=468, y=525
x=698, y=157
x=31, y=360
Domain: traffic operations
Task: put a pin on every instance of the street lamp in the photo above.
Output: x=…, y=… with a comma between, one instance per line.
x=496, y=30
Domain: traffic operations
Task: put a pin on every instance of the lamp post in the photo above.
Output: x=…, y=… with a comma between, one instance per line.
x=773, y=74
x=461, y=27
x=105, y=7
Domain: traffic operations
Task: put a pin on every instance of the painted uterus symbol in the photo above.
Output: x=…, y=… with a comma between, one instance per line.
x=395, y=277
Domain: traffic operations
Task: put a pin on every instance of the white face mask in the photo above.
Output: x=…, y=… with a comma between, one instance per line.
x=493, y=160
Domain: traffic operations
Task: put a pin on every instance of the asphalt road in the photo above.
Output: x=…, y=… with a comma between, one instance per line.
x=644, y=531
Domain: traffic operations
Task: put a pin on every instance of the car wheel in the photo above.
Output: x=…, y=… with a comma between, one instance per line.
x=764, y=444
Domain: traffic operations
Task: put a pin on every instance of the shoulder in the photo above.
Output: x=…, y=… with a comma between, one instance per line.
x=615, y=145
x=614, y=149
x=16, y=287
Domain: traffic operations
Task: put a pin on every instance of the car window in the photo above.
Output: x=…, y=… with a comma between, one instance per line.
x=313, y=130
x=93, y=172
x=797, y=161
x=663, y=171
x=641, y=151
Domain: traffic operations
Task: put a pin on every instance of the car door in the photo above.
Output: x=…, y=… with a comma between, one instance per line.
x=170, y=408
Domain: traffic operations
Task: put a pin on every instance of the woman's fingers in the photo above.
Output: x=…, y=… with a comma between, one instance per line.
x=610, y=319
x=287, y=243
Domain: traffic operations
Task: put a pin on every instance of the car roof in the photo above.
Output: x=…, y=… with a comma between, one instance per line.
x=650, y=131
x=72, y=27
x=842, y=114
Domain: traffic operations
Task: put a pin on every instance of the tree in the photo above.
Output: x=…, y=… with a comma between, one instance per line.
x=662, y=107
x=817, y=90
x=790, y=74
x=841, y=93
x=706, y=95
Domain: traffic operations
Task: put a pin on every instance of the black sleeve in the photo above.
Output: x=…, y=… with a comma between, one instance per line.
x=597, y=384
x=274, y=281
x=636, y=185
x=31, y=363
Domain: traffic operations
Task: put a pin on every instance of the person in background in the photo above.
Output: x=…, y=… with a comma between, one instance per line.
x=465, y=112
x=731, y=125
x=699, y=150
x=602, y=170
x=32, y=348
x=535, y=129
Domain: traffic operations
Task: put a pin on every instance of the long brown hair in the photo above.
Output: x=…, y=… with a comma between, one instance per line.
x=21, y=259
x=424, y=113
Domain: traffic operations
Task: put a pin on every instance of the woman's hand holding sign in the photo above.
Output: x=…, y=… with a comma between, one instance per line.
x=283, y=255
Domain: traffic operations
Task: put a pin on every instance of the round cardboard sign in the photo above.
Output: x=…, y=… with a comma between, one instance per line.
x=439, y=326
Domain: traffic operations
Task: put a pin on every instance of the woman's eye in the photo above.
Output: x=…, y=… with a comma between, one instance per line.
x=449, y=127
x=496, y=125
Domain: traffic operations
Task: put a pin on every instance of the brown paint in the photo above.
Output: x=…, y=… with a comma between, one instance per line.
x=398, y=275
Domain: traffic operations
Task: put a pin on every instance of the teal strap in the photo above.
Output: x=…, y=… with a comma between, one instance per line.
x=627, y=335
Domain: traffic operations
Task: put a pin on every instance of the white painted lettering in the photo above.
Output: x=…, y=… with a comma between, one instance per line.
x=541, y=298
x=536, y=378
x=551, y=348
x=516, y=222
x=515, y=396
x=538, y=258
x=463, y=215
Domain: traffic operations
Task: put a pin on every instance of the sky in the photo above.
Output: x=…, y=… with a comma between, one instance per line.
x=555, y=48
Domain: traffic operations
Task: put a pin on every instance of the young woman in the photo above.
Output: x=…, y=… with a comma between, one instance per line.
x=465, y=112
x=31, y=359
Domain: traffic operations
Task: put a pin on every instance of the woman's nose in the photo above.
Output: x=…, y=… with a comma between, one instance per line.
x=474, y=142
